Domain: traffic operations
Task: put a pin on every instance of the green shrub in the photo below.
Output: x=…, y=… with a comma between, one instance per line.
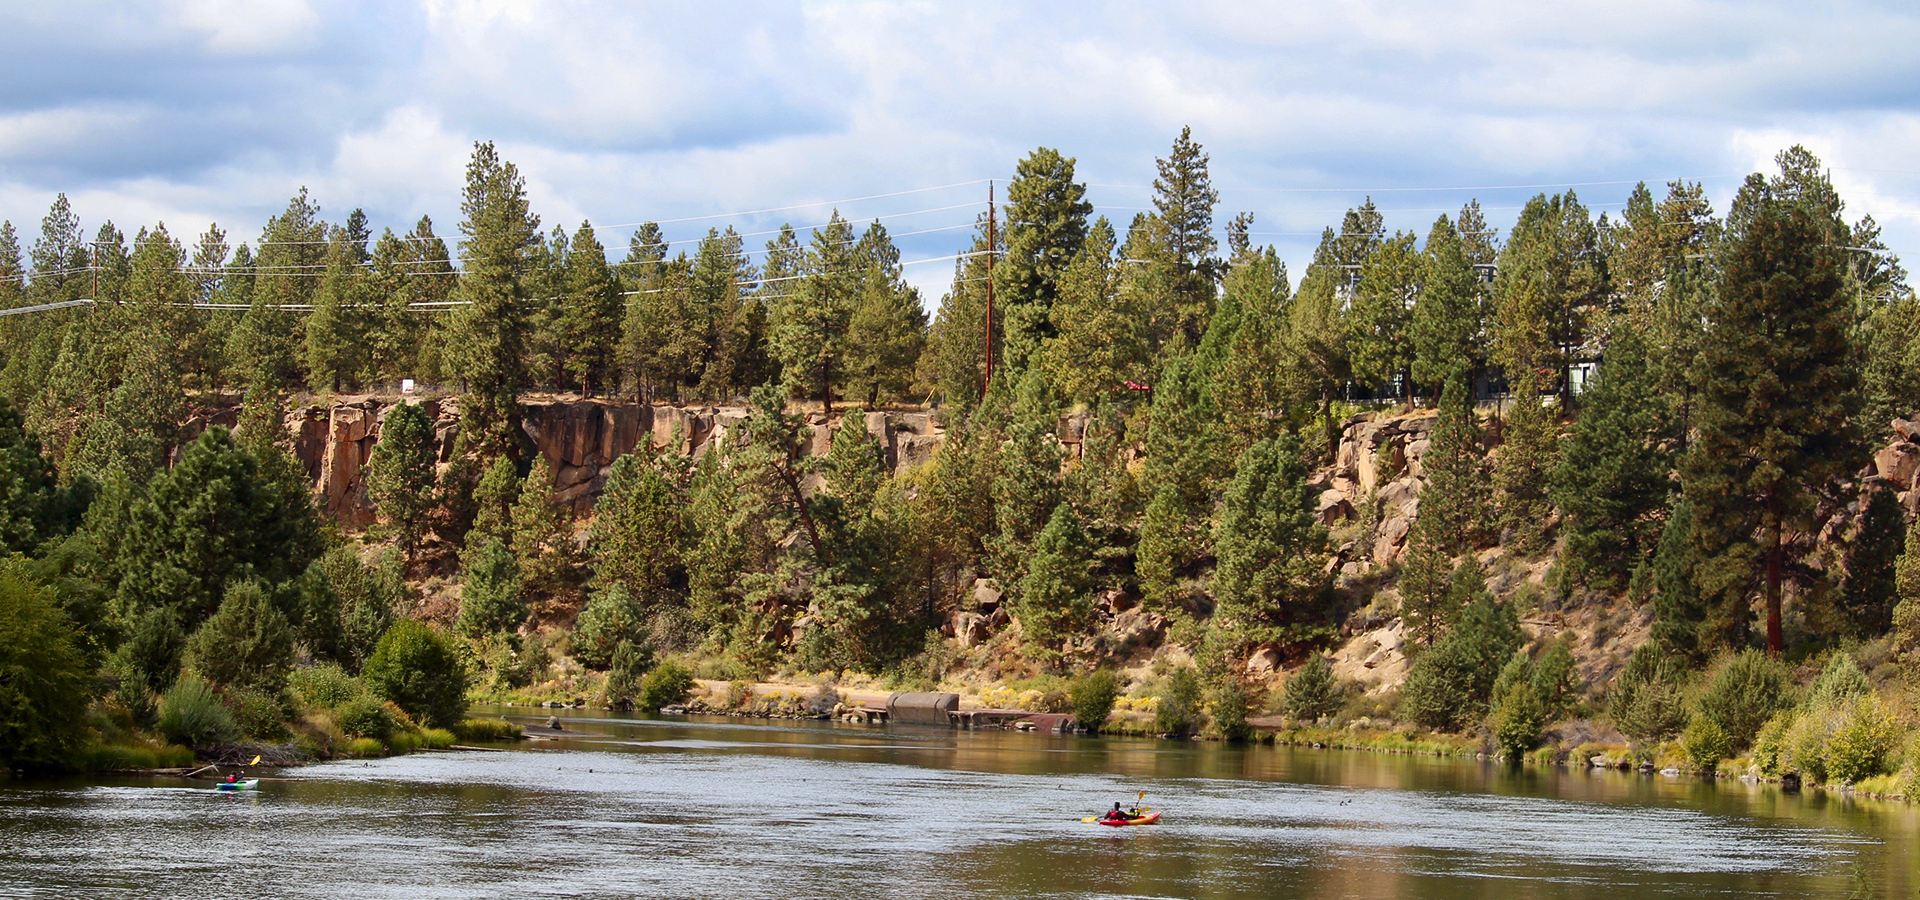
x=257, y=714
x=1706, y=744
x=1744, y=692
x=324, y=686
x=1646, y=701
x=1770, y=751
x=1840, y=681
x=738, y=694
x=436, y=739
x=418, y=669
x=1805, y=744
x=247, y=643
x=1312, y=693
x=491, y=600
x=191, y=713
x=1093, y=697
x=1179, y=709
x=667, y=685
x=1864, y=743
x=365, y=748
x=630, y=663
x=610, y=619
x=367, y=717
x=43, y=677
x=488, y=730
x=1229, y=707
x=1518, y=715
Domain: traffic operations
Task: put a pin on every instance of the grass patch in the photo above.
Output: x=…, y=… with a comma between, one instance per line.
x=123, y=756
x=436, y=739
x=488, y=730
x=365, y=748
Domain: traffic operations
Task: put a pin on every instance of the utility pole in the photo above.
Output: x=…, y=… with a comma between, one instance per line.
x=988, y=381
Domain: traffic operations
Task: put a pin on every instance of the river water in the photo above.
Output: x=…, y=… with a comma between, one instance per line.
x=637, y=807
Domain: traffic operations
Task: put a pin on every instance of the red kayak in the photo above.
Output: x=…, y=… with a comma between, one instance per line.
x=1148, y=819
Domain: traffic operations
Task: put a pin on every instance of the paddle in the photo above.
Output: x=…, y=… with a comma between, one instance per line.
x=1138, y=811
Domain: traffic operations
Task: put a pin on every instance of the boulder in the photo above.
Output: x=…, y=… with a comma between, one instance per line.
x=1898, y=464
x=969, y=629
x=985, y=596
x=1396, y=496
x=1264, y=661
x=1333, y=507
x=1908, y=430
x=1389, y=538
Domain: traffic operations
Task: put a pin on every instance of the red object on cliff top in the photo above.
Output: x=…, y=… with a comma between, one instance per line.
x=1137, y=386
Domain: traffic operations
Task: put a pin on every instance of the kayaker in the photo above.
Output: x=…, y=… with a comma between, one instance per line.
x=1116, y=814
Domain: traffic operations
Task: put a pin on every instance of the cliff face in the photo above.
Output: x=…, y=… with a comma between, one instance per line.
x=581, y=438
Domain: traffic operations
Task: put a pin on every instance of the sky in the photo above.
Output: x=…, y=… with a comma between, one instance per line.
x=703, y=115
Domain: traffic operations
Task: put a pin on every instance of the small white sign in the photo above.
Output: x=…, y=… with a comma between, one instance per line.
x=406, y=385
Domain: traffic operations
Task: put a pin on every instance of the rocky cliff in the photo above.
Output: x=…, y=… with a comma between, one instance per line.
x=581, y=438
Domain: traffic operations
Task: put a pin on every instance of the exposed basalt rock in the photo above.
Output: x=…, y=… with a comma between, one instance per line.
x=580, y=438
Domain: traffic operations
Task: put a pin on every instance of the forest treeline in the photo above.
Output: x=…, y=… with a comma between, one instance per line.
x=1746, y=364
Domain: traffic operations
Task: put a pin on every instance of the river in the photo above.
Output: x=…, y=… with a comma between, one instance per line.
x=638, y=807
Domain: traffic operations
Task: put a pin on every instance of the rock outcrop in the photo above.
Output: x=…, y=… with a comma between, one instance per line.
x=580, y=438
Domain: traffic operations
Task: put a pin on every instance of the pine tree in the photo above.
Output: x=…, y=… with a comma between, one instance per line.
x=400, y=475
x=28, y=491
x=1448, y=323
x=810, y=324
x=640, y=532
x=543, y=541
x=1869, y=585
x=491, y=600
x=1552, y=279
x=1250, y=385
x=247, y=643
x=1045, y=230
x=954, y=361
x=1100, y=339
x=493, y=498
x=1680, y=613
x=720, y=279
x=1611, y=482
x=1426, y=593
x=210, y=521
x=1521, y=472
x=1271, y=583
x=262, y=350
x=1778, y=392
x=1054, y=600
x=1027, y=485
x=1906, y=593
x=500, y=236
x=334, y=335
x=1317, y=362
x=590, y=316
x=1381, y=314
x=1457, y=494
x=886, y=330
x=1184, y=264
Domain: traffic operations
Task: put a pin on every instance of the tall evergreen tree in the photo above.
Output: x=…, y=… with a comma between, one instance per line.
x=1381, y=314
x=1551, y=283
x=499, y=238
x=1778, y=393
x=1448, y=323
x=1046, y=226
x=1611, y=483
x=1054, y=599
x=1869, y=585
x=1100, y=339
x=1183, y=201
x=590, y=315
x=1271, y=584
x=886, y=329
x=810, y=324
x=640, y=532
x=400, y=475
x=1523, y=470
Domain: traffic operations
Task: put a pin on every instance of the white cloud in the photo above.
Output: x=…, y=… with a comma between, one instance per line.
x=248, y=26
